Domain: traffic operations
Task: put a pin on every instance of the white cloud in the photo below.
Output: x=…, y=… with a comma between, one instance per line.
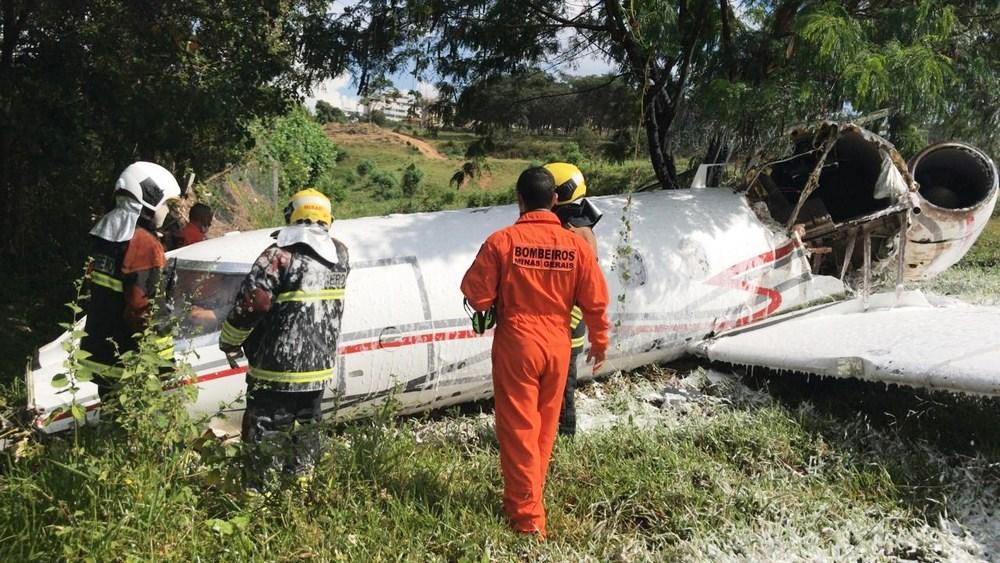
x=587, y=65
x=336, y=92
x=427, y=90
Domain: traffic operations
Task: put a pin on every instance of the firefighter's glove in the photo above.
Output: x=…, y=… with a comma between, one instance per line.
x=233, y=354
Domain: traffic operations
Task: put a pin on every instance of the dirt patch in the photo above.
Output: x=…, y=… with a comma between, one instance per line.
x=232, y=199
x=485, y=181
x=357, y=133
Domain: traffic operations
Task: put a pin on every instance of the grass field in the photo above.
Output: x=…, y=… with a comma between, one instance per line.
x=976, y=279
x=732, y=473
x=494, y=184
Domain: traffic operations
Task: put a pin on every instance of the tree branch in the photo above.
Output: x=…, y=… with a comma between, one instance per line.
x=725, y=15
x=568, y=23
x=571, y=93
x=623, y=35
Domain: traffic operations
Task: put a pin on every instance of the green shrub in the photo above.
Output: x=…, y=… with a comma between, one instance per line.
x=620, y=147
x=411, y=180
x=480, y=148
x=365, y=167
x=489, y=199
x=452, y=149
x=572, y=154
x=300, y=147
x=603, y=179
x=475, y=199
x=333, y=189
x=384, y=185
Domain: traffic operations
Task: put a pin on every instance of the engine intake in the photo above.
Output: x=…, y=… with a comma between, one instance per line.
x=957, y=191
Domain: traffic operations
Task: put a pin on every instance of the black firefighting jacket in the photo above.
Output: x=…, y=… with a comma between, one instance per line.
x=287, y=318
x=122, y=280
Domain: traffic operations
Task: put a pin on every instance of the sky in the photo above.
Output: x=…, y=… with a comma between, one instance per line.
x=342, y=92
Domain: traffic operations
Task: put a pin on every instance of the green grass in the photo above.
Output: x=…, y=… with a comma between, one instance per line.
x=718, y=476
x=359, y=200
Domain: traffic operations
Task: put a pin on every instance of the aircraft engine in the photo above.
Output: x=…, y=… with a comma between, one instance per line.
x=956, y=193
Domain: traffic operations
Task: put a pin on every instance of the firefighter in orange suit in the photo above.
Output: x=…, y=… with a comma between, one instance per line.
x=533, y=272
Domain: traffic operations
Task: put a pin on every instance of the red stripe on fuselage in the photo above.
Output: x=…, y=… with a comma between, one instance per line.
x=364, y=347
x=726, y=278
x=407, y=341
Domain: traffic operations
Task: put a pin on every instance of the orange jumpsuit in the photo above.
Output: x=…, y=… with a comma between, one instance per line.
x=534, y=270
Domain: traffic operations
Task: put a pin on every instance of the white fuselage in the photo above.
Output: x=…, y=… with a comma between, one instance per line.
x=680, y=265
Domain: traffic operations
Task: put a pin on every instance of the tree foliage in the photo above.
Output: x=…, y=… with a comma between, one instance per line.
x=87, y=87
x=299, y=146
x=730, y=77
x=326, y=113
x=541, y=102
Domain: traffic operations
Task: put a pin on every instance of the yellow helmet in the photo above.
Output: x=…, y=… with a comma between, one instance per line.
x=309, y=205
x=570, y=185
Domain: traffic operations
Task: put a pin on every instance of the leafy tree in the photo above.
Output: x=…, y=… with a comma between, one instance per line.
x=795, y=59
x=326, y=113
x=87, y=87
x=971, y=98
x=443, y=108
x=541, y=102
x=301, y=148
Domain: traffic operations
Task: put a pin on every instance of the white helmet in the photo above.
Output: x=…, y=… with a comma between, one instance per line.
x=152, y=185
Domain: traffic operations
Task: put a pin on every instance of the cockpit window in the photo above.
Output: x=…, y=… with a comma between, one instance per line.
x=201, y=300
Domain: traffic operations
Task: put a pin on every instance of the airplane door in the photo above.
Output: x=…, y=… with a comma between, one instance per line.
x=384, y=304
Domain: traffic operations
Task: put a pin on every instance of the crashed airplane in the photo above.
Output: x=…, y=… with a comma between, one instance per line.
x=779, y=271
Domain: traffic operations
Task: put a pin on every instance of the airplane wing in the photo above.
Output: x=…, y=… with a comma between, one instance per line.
x=908, y=341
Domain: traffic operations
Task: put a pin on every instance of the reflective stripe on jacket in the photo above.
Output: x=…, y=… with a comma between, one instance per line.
x=122, y=278
x=536, y=271
x=287, y=317
x=578, y=330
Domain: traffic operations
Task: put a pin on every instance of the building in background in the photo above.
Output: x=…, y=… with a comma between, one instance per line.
x=395, y=105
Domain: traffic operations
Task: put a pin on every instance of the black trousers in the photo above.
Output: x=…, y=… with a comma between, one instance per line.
x=567, y=416
x=279, y=434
